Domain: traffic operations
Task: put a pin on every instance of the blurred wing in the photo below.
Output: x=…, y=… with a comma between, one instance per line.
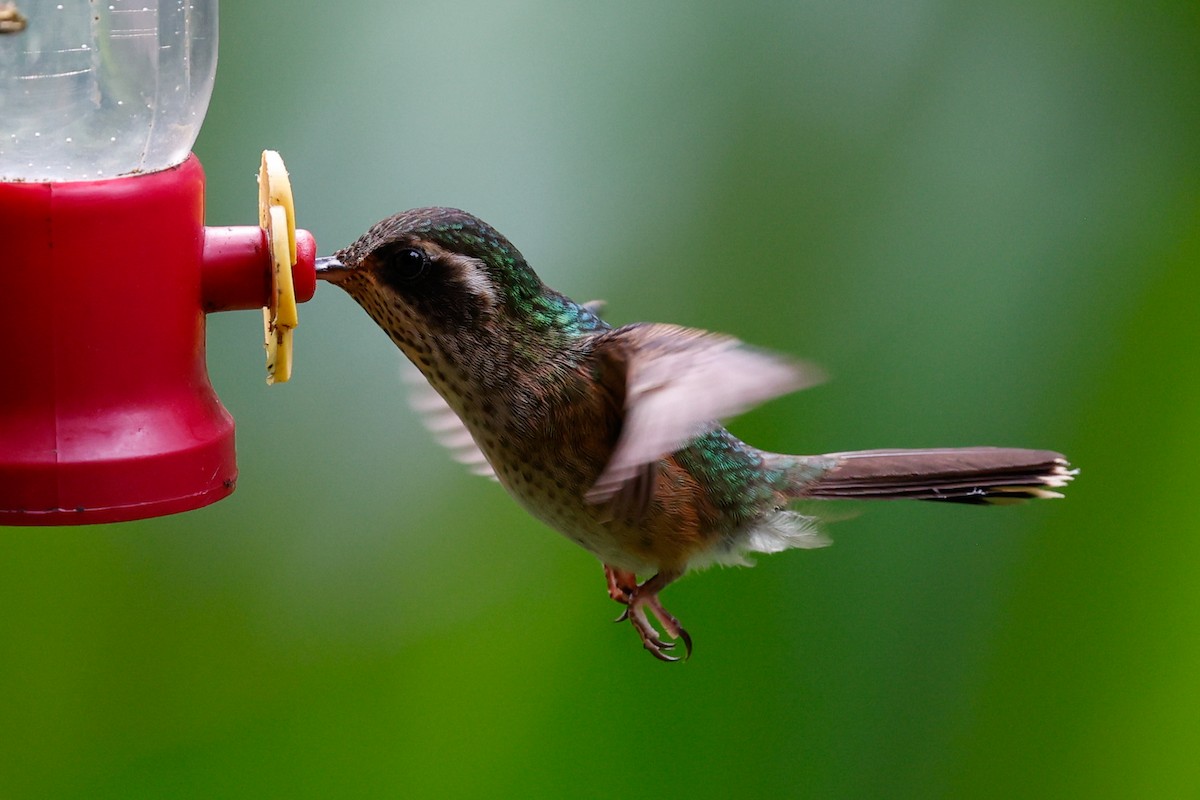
x=679, y=382
x=440, y=419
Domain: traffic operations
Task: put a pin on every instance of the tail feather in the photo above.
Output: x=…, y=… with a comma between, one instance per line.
x=975, y=475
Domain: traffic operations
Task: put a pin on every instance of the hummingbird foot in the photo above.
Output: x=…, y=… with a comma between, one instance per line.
x=621, y=587
x=645, y=597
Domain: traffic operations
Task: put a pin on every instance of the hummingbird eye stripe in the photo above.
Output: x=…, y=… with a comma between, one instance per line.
x=471, y=273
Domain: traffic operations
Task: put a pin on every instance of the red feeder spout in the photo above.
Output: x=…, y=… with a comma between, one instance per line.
x=106, y=410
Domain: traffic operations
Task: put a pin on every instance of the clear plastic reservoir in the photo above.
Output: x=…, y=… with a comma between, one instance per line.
x=93, y=89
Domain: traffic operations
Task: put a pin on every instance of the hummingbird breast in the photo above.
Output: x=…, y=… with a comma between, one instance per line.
x=549, y=431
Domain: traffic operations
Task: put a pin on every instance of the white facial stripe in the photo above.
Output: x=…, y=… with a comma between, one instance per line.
x=472, y=274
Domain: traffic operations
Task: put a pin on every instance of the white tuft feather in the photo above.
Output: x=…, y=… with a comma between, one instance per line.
x=774, y=533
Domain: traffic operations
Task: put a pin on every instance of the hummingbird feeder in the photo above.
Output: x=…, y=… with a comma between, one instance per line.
x=107, y=269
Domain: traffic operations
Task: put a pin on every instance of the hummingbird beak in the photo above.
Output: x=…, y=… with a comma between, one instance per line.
x=330, y=268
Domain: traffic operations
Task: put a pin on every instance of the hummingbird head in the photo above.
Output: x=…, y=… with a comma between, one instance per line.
x=447, y=286
x=433, y=269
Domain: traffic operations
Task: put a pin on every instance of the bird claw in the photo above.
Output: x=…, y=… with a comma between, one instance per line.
x=651, y=639
x=623, y=588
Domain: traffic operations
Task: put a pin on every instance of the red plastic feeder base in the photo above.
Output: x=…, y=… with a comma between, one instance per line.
x=106, y=410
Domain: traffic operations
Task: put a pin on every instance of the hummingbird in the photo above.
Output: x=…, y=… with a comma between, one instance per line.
x=612, y=436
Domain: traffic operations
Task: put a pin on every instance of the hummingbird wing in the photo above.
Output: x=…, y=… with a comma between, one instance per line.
x=445, y=425
x=679, y=382
x=595, y=306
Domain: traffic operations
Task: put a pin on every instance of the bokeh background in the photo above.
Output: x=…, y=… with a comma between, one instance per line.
x=983, y=218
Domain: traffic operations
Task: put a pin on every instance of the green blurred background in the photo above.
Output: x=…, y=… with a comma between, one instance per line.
x=982, y=218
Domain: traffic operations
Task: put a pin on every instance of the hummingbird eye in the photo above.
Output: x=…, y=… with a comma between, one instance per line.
x=406, y=264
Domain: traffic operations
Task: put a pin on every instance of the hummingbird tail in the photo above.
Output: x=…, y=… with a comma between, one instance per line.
x=975, y=475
